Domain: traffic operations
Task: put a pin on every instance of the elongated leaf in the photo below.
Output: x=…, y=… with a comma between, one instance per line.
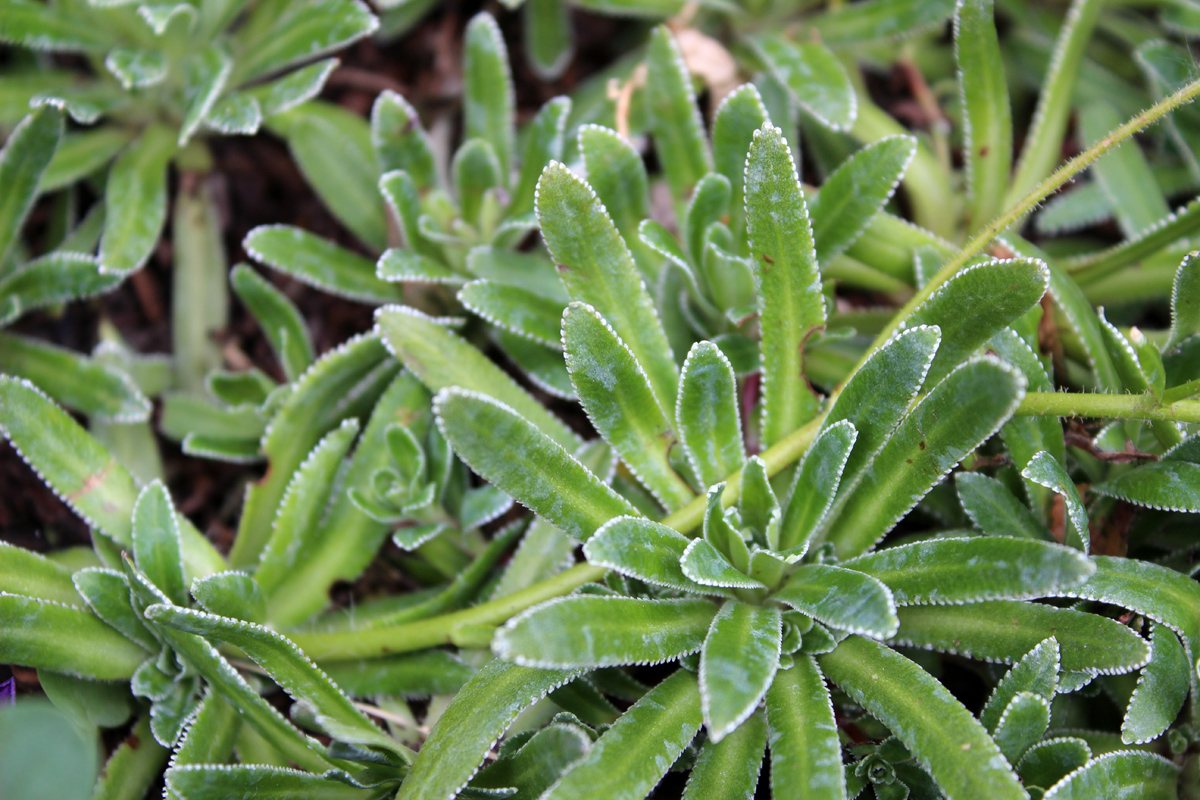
x=994, y=509
x=27, y=573
x=509, y=452
x=288, y=667
x=47, y=635
x=107, y=593
x=231, y=594
x=630, y=758
x=488, y=99
x=1185, y=300
x=1165, y=485
x=1004, y=630
x=943, y=571
x=136, y=201
x=706, y=565
x=537, y=763
x=301, y=33
x=737, y=665
x=1036, y=672
x=216, y=781
x=421, y=674
x=471, y=725
x=157, y=548
x=205, y=75
x=596, y=268
x=134, y=766
x=806, y=756
x=728, y=770
x=616, y=395
x=740, y=114
x=791, y=305
x=54, y=278
x=987, y=116
x=319, y=263
x=1161, y=690
x=1048, y=761
x=520, y=311
x=706, y=413
x=441, y=360
x=816, y=485
x=1122, y=172
x=399, y=140
x=545, y=135
x=1142, y=775
x=279, y=319
x=26, y=155
x=1022, y=725
x=858, y=23
x=814, y=78
x=842, y=599
x=617, y=174
x=943, y=736
x=78, y=382
x=1045, y=470
x=597, y=631
x=674, y=117
x=856, y=191
x=958, y=415
x=41, y=27
x=978, y=302
x=639, y=548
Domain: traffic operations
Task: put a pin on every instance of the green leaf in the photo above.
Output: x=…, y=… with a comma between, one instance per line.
x=469, y=727
x=135, y=201
x=728, y=770
x=261, y=782
x=231, y=594
x=319, y=263
x=858, y=23
x=134, y=766
x=995, y=510
x=107, y=594
x=301, y=33
x=987, y=115
x=296, y=87
x=842, y=599
x=944, y=570
x=475, y=171
x=27, y=153
x=737, y=665
x=632, y=756
x=1185, y=300
x=601, y=631
x=1023, y=724
x=400, y=142
x=639, y=548
x=1165, y=485
x=518, y=310
x=1004, y=630
x=597, y=268
x=1036, y=672
x=791, y=304
x=46, y=635
x=90, y=703
x=1050, y=760
x=52, y=279
x=674, y=116
x=1121, y=774
x=332, y=147
x=441, y=360
x=537, y=763
x=304, y=503
x=549, y=43
x=740, y=114
x=958, y=415
x=709, y=206
x=816, y=485
x=1161, y=689
x=544, y=136
x=815, y=79
x=157, y=548
x=420, y=674
x=976, y=303
x=806, y=755
x=617, y=397
x=205, y=75
x=943, y=736
x=278, y=318
x=1122, y=173
x=509, y=452
x=855, y=193
x=27, y=573
x=706, y=565
x=617, y=175
x=42, y=27
x=288, y=667
x=706, y=414
x=76, y=381
x=43, y=752
x=489, y=104
x=1045, y=470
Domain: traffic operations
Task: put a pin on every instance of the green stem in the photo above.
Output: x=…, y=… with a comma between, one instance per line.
x=1109, y=406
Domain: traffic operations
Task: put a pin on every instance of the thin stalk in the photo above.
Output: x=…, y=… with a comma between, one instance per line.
x=1108, y=406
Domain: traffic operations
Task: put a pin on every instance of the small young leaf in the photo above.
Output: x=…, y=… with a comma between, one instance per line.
x=474, y=172
x=107, y=594
x=944, y=570
x=737, y=664
x=1036, y=672
x=1165, y=485
x=27, y=153
x=674, y=116
x=488, y=99
x=814, y=78
x=231, y=594
x=538, y=763
x=728, y=770
x=740, y=114
x=1142, y=775
x=1004, y=630
x=617, y=397
x=1023, y=724
x=278, y=318
x=320, y=263
x=1051, y=760
x=544, y=135
x=399, y=140
x=995, y=510
x=842, y=599
x=594, y=631
x=296, y=87
x=156, y=542
x=943, y=736
x=706, y=413
x=136, y=201
x=1185, y=300
x=639, y=548
x=707, y=566
x=54, y=278
x=1161, y=690
x=503, y=448
x=816, y=485
x=631, y=757
x=1045, y=470
x=791, y=303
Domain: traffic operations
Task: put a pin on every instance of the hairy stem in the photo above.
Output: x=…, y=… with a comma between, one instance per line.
x=1108, y=406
